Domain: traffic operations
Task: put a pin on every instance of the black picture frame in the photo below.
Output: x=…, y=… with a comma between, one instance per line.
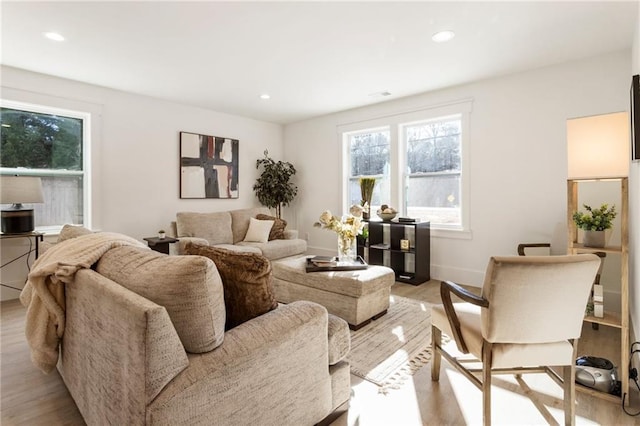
x=635, y=118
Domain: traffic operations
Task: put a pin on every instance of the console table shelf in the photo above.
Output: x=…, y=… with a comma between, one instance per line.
x=418, y=233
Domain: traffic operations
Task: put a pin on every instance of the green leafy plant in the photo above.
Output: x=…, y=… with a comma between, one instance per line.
x=595, y=219
x=273, y=188
x=365, y=232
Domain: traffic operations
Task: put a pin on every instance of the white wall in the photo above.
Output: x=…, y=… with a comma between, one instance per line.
x=136, y=159
x=634, y=213
x=518, y=160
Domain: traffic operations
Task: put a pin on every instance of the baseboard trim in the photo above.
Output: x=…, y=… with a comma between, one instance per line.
x=464, y=276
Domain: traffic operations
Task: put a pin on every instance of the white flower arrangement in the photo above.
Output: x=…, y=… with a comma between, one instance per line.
x=347, y=228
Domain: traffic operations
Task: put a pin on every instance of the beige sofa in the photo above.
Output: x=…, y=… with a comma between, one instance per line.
x=144, y=343
x=227, y=229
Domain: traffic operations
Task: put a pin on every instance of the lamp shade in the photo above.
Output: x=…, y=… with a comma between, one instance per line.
x=598, y=146
x=20, y=189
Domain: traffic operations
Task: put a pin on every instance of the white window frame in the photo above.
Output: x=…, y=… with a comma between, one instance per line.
x=346, y=139
x=396, y=123
x=86, y=118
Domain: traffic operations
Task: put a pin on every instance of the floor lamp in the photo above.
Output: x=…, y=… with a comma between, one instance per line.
x=598, y=146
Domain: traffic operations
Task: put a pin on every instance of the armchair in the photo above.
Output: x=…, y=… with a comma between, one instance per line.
x=496, y=327
x=528, y=249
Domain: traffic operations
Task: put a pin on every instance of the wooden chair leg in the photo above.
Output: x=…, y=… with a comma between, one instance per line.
x=486, y=383
x=569, y=395
x=569, y=376
x=436, y=341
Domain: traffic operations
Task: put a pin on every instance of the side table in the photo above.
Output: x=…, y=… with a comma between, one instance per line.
x=160, y=244
x=37, y=237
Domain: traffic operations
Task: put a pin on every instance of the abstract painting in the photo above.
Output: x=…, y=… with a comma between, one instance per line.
x=208, y=166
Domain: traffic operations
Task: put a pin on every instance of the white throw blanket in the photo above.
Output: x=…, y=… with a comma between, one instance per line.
x=43, y=294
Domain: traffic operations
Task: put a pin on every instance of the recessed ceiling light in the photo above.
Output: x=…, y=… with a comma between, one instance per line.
x=442, y=36
x=265, y=96
x=53, y=36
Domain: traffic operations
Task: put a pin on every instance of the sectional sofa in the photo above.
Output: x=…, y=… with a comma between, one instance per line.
x=145, y=343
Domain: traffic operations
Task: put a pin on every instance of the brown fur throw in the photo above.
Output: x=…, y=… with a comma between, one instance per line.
x=246, y=278
x=277, y=230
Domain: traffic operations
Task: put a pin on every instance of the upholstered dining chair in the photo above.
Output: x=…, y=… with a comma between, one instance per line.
x=528, y=319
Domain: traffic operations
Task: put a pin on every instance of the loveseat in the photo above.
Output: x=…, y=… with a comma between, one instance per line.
x=228, y=229
x=145, y=343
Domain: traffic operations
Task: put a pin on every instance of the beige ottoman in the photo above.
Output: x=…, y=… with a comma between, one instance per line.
x=355, y=296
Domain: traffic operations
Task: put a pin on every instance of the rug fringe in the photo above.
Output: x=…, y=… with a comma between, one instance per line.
x=399, y=378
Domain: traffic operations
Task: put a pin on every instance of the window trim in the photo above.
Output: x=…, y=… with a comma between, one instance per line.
x=86, y=118
x=396, y=122
x=346, y=163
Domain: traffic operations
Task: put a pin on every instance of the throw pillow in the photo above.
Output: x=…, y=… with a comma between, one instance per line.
x=246, y=279
x=277, y=230
x=258, y=231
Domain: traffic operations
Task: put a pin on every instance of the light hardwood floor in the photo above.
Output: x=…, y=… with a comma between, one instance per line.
x=29, y=397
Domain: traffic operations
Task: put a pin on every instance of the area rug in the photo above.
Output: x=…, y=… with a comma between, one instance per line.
x=392, y=348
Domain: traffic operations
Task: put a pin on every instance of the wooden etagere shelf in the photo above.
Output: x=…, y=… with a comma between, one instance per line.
x=619, y=322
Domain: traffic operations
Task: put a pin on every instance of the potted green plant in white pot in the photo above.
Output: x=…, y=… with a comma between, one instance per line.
x=594, y=223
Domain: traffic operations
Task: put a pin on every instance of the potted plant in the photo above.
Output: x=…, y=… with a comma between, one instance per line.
x=273, y=188
x=366, y=192
x=362, y=239
x=161, y=234
x=594, y=222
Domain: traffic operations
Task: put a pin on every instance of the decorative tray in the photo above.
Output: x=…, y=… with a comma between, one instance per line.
x=324, y=263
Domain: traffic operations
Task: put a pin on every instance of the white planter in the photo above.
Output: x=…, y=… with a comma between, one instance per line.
x=594, y=239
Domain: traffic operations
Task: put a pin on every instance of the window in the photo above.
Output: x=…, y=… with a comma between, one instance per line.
x=420, y=162
x=433, y=171
x=51, y=144
x=369, y=153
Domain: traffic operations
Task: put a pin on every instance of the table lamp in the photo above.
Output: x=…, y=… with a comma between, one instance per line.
x=16, y=190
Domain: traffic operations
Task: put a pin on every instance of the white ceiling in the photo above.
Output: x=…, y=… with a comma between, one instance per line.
x=313, y=58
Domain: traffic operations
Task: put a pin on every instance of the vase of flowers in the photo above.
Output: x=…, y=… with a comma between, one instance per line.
x=594, y=223
x=347, y=228
x=347, y=249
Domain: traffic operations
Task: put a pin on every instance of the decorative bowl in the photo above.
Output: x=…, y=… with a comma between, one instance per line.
x=386, y=216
